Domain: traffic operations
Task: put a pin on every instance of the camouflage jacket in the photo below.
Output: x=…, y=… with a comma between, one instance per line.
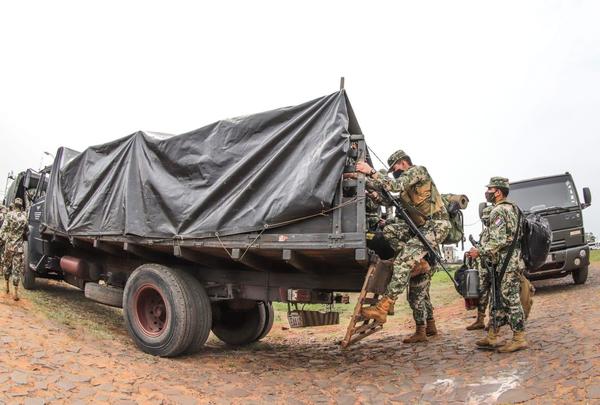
x=13, y=230
x=410, y=187
x=500, y=234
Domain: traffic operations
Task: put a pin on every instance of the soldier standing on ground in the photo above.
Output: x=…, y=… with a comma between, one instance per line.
x=419, y=195
x=12, y=233
x=503, y=230
x=2, y=216
x=484, y=277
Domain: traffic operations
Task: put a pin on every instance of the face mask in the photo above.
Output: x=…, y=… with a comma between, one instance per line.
x=489, y=196
x=398, y=173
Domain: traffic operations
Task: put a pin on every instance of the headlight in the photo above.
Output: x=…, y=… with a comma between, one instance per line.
x=582, y=253
x=577, y=261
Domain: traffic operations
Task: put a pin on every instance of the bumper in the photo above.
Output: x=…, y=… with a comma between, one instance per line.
x=561, y=263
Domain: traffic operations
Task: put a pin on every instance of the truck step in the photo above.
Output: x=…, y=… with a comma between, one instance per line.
x=378, y=276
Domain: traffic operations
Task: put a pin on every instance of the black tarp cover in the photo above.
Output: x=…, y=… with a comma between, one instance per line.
x=233, y=176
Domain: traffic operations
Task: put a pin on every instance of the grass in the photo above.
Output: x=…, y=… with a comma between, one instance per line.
x=442, y=292
x=68, y=306
x=594, y=256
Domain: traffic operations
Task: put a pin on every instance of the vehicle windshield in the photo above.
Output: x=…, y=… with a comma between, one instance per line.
x=536, y=195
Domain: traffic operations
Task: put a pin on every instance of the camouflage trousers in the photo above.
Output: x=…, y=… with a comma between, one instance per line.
x=12, y=265
x=409, y=250
x=484, y=286
x=419, y=298
x=512, y=312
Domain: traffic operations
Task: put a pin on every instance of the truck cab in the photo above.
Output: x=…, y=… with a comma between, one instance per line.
x=556, y=199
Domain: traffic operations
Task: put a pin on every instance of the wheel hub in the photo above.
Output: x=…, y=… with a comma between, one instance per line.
x=151, y=310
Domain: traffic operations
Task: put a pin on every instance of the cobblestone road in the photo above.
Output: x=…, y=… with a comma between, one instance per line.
x=46, y=362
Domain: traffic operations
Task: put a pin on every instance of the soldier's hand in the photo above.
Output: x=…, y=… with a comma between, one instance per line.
x=473, y=253
x=363, y=167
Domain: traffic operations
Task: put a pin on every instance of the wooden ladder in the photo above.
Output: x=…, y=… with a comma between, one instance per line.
x=376, y=281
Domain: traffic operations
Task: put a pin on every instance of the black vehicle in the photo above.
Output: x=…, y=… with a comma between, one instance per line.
x=103, y=220
x=556, y=199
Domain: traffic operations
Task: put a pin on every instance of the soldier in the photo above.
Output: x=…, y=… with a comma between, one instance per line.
x=419, y=195
x=503, y=230
x=13, y=230
x=2, y=216
x=484, y=277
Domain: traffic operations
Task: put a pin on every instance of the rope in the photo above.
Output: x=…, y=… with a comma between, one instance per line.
x=291, y=221
x=222, y=245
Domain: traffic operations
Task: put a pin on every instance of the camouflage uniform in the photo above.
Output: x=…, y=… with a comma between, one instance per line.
x=409, y=250
x=501, y=233
x=12, y=232
x=373, y=214
x=484, y=276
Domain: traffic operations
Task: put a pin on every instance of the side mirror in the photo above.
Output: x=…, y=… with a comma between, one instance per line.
x=482, y=206
x=587, y=197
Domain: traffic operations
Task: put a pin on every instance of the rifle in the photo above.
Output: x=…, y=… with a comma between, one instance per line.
x=496, y=303
x=401, y=212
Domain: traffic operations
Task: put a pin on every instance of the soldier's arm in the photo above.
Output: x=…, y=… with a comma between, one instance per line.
x=498, y=235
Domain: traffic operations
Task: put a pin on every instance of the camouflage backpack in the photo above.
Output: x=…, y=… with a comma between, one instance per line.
x=454, y=204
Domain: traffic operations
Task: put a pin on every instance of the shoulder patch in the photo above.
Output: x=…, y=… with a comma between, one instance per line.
x=499, y=221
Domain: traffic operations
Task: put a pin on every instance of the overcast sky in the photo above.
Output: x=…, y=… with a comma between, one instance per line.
x=468, y=89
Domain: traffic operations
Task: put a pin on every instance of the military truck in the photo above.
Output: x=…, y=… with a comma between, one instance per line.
x=556, y=199
x=204, y=230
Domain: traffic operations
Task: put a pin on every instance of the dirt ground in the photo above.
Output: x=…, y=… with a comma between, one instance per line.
x=47, y=357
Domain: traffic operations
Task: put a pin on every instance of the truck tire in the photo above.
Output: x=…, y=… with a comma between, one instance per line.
x=580, y=275
x=159, y=312
x=270, y=318
x=28, y=275
x=203, y=322
x=238, y=326
x=104, y=294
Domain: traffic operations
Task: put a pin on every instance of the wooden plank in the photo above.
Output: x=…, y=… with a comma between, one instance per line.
x=299, y=261
x=251, y=260
x=356, y=316
x=142, y=252
x=361, y=336
x=200, y=257
x=107, y=247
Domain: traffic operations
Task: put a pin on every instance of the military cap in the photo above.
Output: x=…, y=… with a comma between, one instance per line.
x=498, y=182
x=395, y=157
x=18, y=202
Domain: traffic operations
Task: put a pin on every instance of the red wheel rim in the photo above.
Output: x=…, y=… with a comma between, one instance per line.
x=151, y=310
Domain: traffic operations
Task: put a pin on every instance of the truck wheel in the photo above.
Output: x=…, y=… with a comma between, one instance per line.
x=104, y=294
x=238, y=322
x=270, y=318
x=580, y=275
x=28, y=275
x=159, y=311
x=203, y=321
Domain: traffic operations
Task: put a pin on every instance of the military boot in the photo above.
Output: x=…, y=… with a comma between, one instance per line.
x=518, y=342
x=431, y=330
x=419, y=335
x=479, y=322
x=491, y=340
x=16, y=293
x=379, y=311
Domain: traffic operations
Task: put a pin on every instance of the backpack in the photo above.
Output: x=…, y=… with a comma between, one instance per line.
x=526, y=294
x=454, y=204
x=535, y=240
